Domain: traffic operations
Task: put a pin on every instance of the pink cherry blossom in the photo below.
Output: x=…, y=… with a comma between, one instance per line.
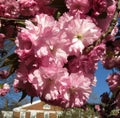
x=55, y=63
x=24, y=44
x=2, y=9
x=28, y=7
x=9, y=8
x=44, y=7
x=114, y=84
x=52, y=65
x=105, y=12
x=4, y=74
x=97, y=52
x=114, y=81
x=97, y=107
x=99, y=6
x=24, y=8
x=45, y=34
x=52, y=85
x=22, y=81
x=111, y=58
x=81, y=6
x=2, y=39
x=4, y=89
x=77, y=39
x=77, y=91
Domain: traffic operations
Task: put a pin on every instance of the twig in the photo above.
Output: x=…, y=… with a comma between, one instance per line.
x=11, y=19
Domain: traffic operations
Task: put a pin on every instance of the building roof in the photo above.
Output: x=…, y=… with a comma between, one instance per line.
x=38, y=106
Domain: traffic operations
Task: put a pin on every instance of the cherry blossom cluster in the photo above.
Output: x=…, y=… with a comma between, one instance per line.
x=4, y=89
x=112, y=59
x=24, y=8
x=100, y=10
x=20, y=9
x=114, y=84
x=53, y=64
x=53, y=60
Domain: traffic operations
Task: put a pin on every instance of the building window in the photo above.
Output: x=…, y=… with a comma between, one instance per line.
x=46, y=114
x=33, y=115
x=22, y=114
x=7, y=114
x=46, y=106
x=59, y=114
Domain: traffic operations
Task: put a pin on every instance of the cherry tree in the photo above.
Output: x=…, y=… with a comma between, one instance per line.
x=58, y=44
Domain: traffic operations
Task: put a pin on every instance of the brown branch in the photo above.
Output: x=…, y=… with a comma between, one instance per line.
x=11, y=19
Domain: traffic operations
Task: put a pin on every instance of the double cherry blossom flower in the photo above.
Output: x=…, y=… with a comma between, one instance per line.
x=52, y=60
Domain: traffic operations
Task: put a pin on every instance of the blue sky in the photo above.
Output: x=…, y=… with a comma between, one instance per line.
x=101, y=86
x=101, y=75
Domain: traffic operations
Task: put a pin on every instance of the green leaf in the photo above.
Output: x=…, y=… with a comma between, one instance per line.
x=61, y=7
x=1, y=85
x=12, y=39
x=20, y=23
x=12, y=69
x=12, y=59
